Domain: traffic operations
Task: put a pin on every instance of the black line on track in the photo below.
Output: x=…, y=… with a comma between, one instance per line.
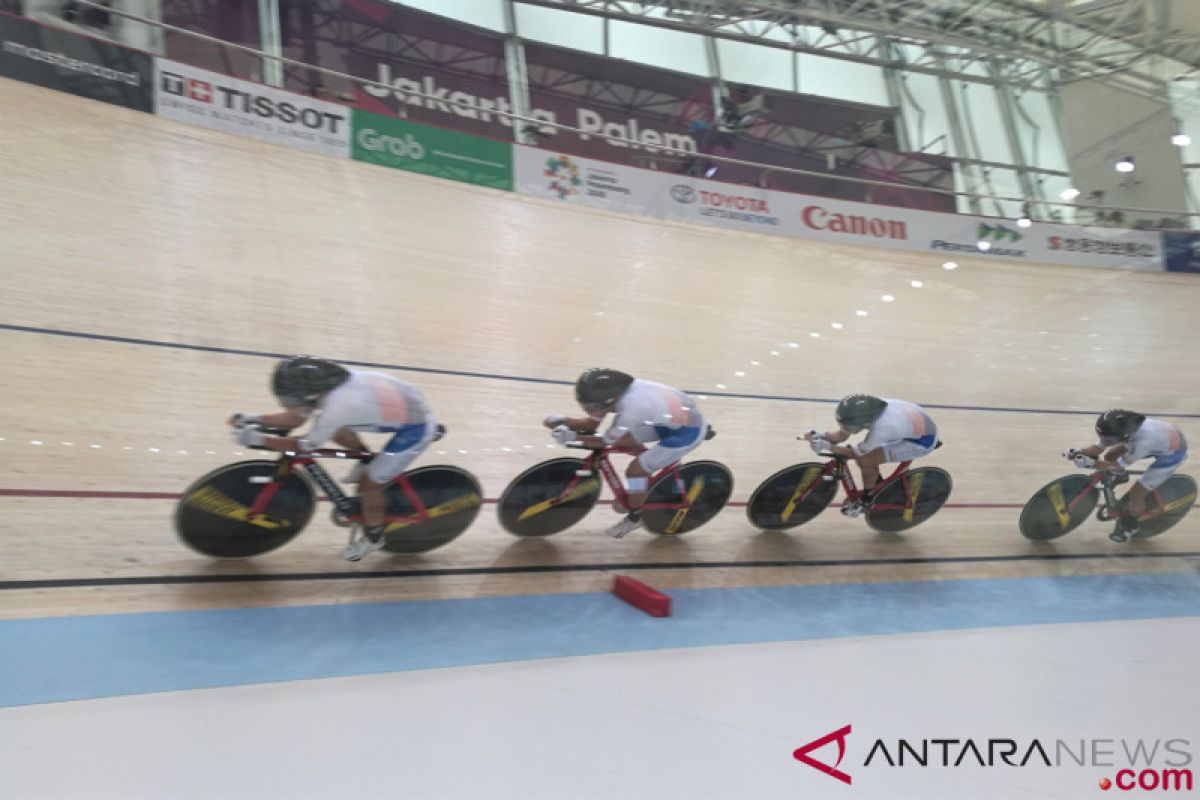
x=165, y=580
x=523, y=378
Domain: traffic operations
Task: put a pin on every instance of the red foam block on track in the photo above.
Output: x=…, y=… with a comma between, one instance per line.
x=641, y=596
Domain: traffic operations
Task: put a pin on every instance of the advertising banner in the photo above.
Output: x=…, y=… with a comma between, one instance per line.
x=547, y=173
x=1181, y=251
x=584, y=181
x=1056, y=244
x=57, y=59
x=194, y=95
x=457, y=156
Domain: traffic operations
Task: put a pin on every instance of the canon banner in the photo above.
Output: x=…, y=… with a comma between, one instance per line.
x=190, y=94
x=547, y=173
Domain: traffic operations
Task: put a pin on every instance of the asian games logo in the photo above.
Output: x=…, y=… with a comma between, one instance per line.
x=564, y=176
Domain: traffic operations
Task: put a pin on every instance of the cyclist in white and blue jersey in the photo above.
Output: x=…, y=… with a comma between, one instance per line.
x=341, y=403
x=647, y=412
x=899, y=431
x=1125, y=437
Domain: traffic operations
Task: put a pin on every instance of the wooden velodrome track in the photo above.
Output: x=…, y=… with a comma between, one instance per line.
x=150, y=269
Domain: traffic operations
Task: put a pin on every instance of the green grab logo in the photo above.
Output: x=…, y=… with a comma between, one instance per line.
x=399, y=144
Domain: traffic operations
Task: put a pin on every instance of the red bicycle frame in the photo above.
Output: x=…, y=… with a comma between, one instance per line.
x=838, y=469
x=1107, y=481
x=290, y=460
x=598, y=460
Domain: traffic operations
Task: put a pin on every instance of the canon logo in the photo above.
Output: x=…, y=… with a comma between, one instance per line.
x=820, y=219
x=734, y=201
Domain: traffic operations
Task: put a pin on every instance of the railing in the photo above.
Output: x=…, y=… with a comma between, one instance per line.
x=522, y=125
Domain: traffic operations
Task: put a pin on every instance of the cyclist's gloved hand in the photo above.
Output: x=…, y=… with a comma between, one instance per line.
x=240, y=419
x=249, y=436
x=818, y=442
x=554, y=420
x=1081, y=460
x=563, y=435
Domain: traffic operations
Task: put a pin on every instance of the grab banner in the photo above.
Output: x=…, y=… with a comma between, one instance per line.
x=399, y=144
x=216, y=101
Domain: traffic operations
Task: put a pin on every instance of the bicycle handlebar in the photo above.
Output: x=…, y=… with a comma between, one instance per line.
x=709, y=433
x=332, y=452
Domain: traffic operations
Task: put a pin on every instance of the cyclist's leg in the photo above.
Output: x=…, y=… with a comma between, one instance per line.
x=869, y=464
x=670, y=450
x=400, y=452
x=1160, y=469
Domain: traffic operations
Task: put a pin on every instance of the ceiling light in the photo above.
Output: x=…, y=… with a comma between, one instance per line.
x=1069, y=193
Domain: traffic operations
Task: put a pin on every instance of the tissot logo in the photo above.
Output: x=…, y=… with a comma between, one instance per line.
x=200, y=91
x=683, y=194
x=801, y=754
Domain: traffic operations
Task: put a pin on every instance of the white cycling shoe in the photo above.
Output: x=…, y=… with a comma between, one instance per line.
x=361, y=544
x=631, y=522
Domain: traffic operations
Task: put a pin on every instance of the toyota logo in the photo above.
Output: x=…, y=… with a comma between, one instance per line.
x=683, y=193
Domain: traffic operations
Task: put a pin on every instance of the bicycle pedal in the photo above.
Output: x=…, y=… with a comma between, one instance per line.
x=1119, y=536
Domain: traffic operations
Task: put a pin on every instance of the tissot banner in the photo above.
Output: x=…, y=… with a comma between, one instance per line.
x=201, y=97
x=80, y=65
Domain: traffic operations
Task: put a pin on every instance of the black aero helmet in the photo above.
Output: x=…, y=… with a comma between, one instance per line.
x=597, y=387
x=857, y=411
x=1118, y=424
x=300, y=380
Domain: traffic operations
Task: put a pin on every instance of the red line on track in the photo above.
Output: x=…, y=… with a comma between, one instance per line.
x=103, y=495
x=109, y=495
